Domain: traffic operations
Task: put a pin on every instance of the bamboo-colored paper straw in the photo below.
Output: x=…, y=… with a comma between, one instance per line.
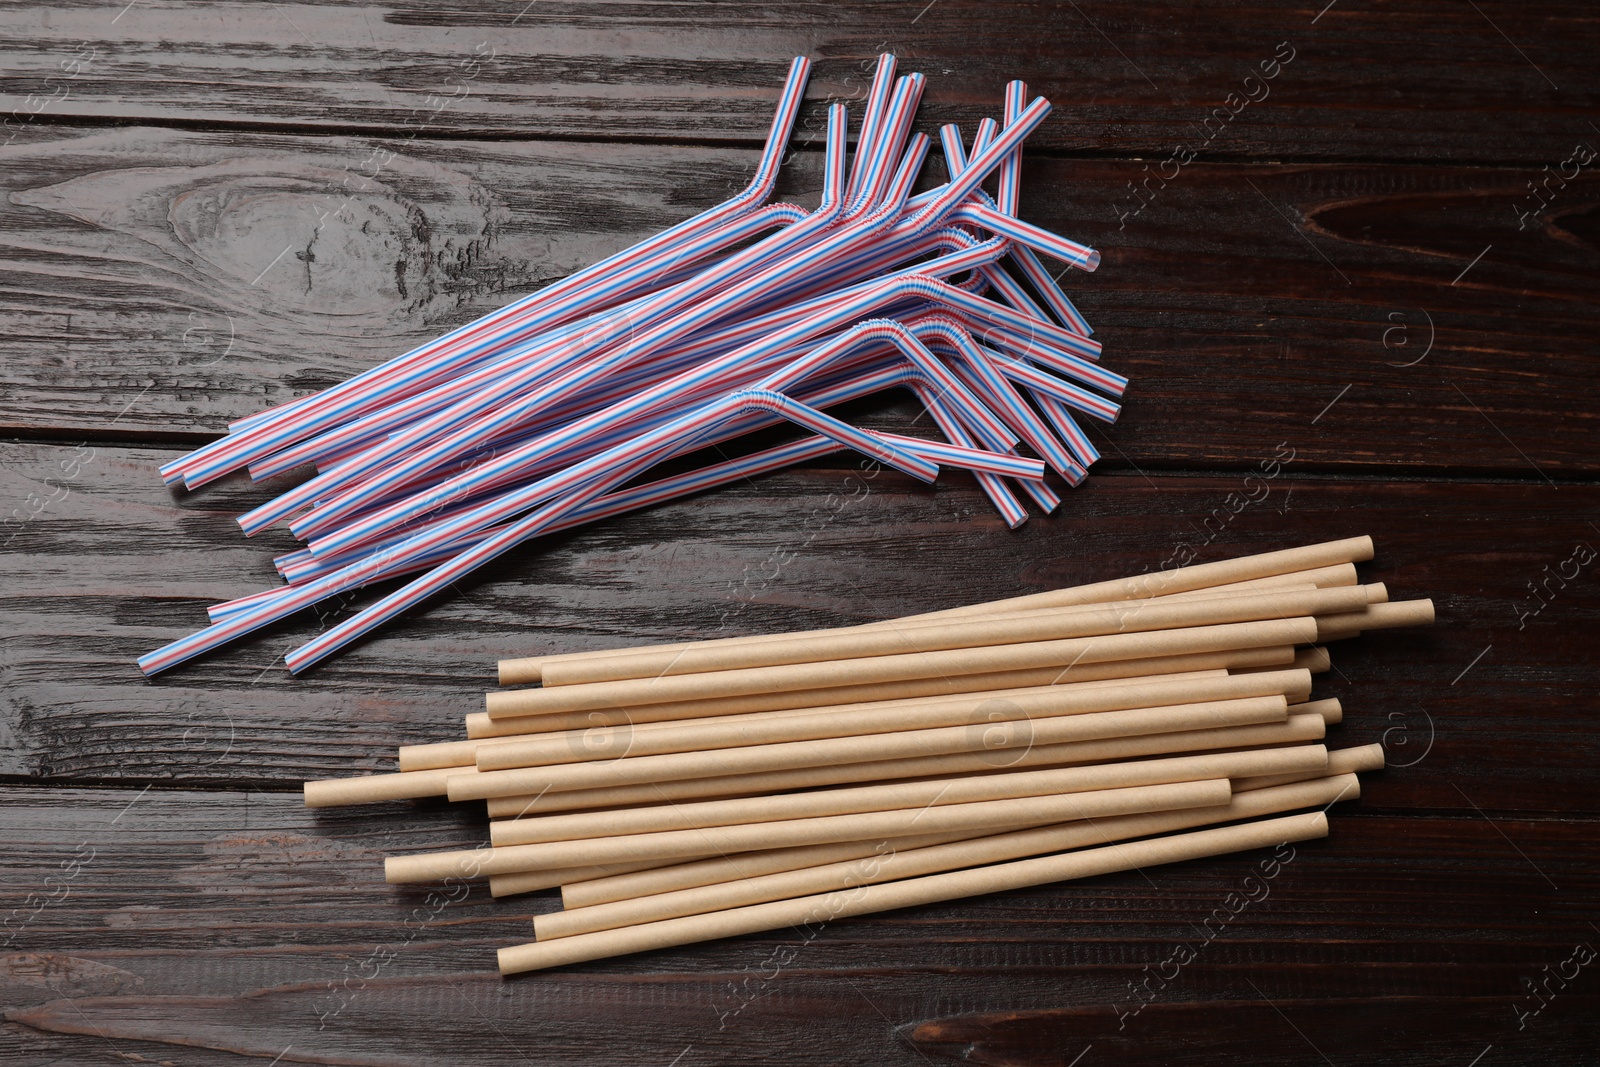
x=673, y=877
x=1314, y=659
x=928, y=889
x=1329, y=709
x=878, y=797
x=1294, y=728
x=892, y=863
x=1184, y=579
x=464, y=753
x=915, y=635
x=1340, y=761
x=1333, y=566
x=678, y=765
x=506, y=885
x=901, y=822
x=1048, y=625
x=530, y=669
x=861, y=719
x=1123, y=646
x=434, y=782
x=373, y=788
x=480, y=726
x=1375, y=617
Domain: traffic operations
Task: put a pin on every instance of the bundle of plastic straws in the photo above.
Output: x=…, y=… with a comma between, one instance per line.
x=545, y=414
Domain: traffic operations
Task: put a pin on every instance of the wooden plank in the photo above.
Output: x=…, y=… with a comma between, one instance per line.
x=1127, y=79
x=246, y=924
x=161, y=283
x=113, y=567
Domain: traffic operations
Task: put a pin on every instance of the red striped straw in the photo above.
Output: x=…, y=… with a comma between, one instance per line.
x=534, y=418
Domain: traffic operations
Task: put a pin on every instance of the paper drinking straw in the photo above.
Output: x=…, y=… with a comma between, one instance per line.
x=900, y=822
x=945, y=634
x=928, y=889
x=883, y=796
x=804, y=676
x=656, y=881
x=1298, y=727
x=892, y=863
x=1375, y=617
x=607, y=728
x=864, y=748
x=1340, y=761
x=510, y=717
x=602, y=729
x=925, y=713
x=529, y=669
x=1184, y=579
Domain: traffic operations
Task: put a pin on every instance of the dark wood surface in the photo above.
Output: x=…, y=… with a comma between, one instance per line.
x=1340, y=272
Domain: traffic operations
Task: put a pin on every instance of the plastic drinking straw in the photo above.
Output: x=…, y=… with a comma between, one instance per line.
x=211, y=461
x=384, y=420
x=494, y=419
x=880, y=147
x=1050, y=292
x=836, y=397
x=781, y=312
x=877, y=99
x=476, y=390
x=397, y=416
x=1004, y=501
x=602, y=472
x=994, y=432
x=827, y=394
x=487, y=399
x=617, y=503
x=891, y=143
x=758, y=189
x=836, y=315
x=579, y=483
x=1067, y=426
x=1066, y=392
x=861, y=385
x=1010, y=187
x=1071, y=252
x=1001, y=392
x=955, y=162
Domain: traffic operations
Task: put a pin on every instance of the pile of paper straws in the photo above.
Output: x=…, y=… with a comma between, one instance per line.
x=687, y=792
x=538, y=417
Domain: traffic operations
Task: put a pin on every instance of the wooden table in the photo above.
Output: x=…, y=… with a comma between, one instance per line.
x=1377, y=265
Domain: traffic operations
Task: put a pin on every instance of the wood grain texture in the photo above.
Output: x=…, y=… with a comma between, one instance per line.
x=117, y=567
x=1374, y=81
x=285, y=913
x=159, y=284
x=1383, y=266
